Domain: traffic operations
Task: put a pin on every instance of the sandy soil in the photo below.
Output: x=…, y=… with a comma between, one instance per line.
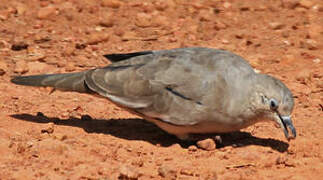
x=65, y=135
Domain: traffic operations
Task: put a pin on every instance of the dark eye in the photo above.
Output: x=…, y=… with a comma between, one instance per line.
x=273, y=104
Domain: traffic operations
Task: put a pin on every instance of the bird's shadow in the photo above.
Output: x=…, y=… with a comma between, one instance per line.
x=138, y=129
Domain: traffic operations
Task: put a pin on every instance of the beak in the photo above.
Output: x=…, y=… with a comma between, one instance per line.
x=286, y=124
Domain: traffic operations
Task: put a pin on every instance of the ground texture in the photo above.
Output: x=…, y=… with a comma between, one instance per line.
x=65, y=135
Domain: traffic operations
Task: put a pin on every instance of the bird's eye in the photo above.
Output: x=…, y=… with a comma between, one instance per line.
x=273, y=104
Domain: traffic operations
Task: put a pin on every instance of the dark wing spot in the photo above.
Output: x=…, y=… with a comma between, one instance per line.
x=181, y=95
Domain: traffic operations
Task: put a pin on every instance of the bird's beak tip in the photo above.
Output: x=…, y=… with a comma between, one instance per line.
x=288, y=127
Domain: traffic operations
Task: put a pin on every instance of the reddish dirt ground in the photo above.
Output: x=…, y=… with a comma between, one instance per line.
x=66, y=135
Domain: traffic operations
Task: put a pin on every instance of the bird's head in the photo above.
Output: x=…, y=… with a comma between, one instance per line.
x=275, y=102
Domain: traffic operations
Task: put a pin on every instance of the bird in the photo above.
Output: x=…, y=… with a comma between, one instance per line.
x=184, y=91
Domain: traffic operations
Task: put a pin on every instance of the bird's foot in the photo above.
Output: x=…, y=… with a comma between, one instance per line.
x=198, y=137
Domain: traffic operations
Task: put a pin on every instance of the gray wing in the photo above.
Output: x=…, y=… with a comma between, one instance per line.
x=178, y=86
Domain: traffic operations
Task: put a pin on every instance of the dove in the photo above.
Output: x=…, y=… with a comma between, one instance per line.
x=184, y=91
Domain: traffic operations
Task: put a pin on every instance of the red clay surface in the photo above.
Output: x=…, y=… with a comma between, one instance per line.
x=43, y=134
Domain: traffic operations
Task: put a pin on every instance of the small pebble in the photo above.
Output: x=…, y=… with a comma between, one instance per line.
x=111, y=3
x=167, y=172
x=290, y=4
x=46, y=12
x=206, y=144
x=49, y=129
x=97, y=37
x=21, y=67
x=306, y=3
x=107, y=20
x=309, y=44
x=276, y=25
x=3, y=68
x=143, y=20
x=127, y=172
x=192, y=148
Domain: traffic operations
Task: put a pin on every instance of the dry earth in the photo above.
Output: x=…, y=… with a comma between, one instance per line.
x=65, y=135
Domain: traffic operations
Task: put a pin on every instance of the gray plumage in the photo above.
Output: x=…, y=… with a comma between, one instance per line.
x=184, y=90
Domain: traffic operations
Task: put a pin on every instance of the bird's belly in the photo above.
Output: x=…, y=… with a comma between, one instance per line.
x=205, y=127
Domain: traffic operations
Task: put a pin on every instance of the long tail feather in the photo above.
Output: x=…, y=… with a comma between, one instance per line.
x=68, y=81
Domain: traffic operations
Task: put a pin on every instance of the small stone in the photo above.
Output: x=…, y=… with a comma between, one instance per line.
x=21, y=67
x=49, y=129
x=35, y=54
x=70, y=66
x=211, y=175
x=244, y=7
x=219, y=25
x=29, y=144
x=198, y=5
x=69, y=50
x=283, y=160
x=21, y=8
x=167, y=172
x=129, y=35
x=206, y=144
x=21, y=148
x=143, y=20
x=316, y=60
x=127, y=172
x=119, y=32
x=227, y=5
x=304, y=76
x=3, y=68
x=107, y=20
x=309, y=44
x=205, y=15
x=187, y=172
x=97, y=37
x=276, y=25
x=192, y=148
x=239, y=35
x=288, y=59
x=112, y=3
x=285, y=34
x=318, y=7
x=44, y=3
x=301, y=9
x=161, y=21
x=225, y=41
x=60, y=137
x=319, y=85
x=289, y=4
x=4, y=15
x=41, y=39
x=306, y=3
x=161, y=5
x=46, y=12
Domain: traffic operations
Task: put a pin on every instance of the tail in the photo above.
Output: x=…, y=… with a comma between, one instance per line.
x=67, y=82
